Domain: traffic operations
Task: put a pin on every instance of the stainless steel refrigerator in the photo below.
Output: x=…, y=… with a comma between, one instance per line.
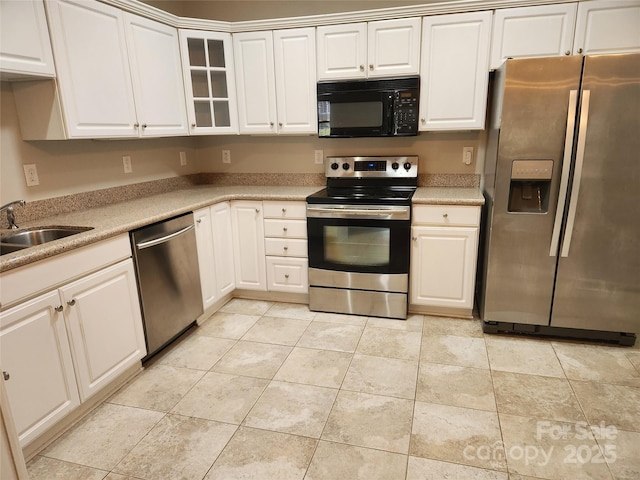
x=562, y=187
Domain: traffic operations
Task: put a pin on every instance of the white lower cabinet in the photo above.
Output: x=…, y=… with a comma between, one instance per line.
x=60, y=348
x=248, y=245
x=215, y=252
x=285, y=230
x=444, y=250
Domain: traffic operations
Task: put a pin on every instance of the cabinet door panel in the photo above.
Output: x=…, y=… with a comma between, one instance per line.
x=248, y=245
x=287, y=274
x=394, y=47
x=35, y=352
x=455, y=73
x=93, y=68
x=607, y=26
x=443, y=266
x=542, y=31
x=24, y=40
x=154, y=57
x=223, y=248
x=255, y=78
x=295, y=69
x=206, y=262
x=105, y=325
x=342, y=51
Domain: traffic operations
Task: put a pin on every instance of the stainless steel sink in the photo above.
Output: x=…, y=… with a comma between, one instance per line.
x=31, y=237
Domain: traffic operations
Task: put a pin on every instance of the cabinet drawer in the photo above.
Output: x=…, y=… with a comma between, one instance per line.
x=273, y=209
x=286, y=247
x=285, y=228
x=287, y=274
x=446, y=215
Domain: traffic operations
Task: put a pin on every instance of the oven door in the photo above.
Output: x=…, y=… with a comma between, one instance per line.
x=360, y=239
x=355, y=114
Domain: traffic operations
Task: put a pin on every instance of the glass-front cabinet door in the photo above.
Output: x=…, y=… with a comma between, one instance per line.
x=207, y=65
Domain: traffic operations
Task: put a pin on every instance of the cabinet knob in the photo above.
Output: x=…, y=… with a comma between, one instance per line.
x=445, y=215
x=284, y=229
x=284, y=210
x=6, y=375
x=567, y=52
x=414, y=238
x=362, y=68
x=59, y=308
x=280, y=124
x=136, y=125
x=286, y=275
x=271, y=124
x=193, y=125
x=257, y=210
x=72, y=302
x=144, y=125
x=286, y=248
x=371, y=67
x=579, y=50
x=423, y=120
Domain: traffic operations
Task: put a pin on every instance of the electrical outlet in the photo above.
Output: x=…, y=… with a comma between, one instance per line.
x=183, y=159
x=318, y=156
x=126, y=163
x=226, y=156
x=31, y=175
x=467, y=155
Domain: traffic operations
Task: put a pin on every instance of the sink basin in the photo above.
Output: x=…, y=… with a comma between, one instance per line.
x=36, y=236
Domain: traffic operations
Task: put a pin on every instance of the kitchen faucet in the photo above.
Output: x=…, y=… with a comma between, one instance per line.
x=11, y=217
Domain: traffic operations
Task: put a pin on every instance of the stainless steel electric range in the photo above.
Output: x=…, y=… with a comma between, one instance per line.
x=359, y=233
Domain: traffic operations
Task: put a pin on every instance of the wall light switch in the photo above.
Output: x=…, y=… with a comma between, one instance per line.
x=126, y=163
x=183, y=158
x=318, y=156
x=467, y=155
x=226, y=156
x=31, y=175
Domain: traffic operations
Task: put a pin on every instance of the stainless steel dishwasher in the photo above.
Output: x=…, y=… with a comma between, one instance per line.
x=168, y=278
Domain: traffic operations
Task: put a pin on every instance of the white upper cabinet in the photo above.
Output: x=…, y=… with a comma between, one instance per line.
x=607, y=26
x=94, y=76
x=542, y=31
x=377, y=49
x=256, y=82
x=296, y=95
x=158, y=91
x=454, y=71
x=209, y=79
x=25, y=49
x=119, y=75
x=276, y=83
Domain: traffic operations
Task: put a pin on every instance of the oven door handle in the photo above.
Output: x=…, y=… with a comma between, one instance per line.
x=359, y=212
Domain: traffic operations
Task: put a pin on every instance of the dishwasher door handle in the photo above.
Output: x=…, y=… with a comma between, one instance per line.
x=165, y=239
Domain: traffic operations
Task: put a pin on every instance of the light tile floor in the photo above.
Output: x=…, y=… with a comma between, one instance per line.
x=273, y=391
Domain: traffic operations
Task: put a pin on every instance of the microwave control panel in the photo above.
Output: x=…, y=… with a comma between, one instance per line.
x=405, y=112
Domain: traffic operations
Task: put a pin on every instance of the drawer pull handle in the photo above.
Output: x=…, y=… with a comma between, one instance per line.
x=284, y=210
x=284, y=229
x=72, y=302
x=59, y=308
x=286, y=275
x=286, y=248
x=6, y=375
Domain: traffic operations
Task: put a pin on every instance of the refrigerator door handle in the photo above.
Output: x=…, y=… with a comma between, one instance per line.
x=577, y=174
x=566, y=168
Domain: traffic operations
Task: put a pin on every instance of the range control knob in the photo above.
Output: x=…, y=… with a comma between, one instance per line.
x=395, y=165
x=334, y=166
x=407, y=166
x=345, y=166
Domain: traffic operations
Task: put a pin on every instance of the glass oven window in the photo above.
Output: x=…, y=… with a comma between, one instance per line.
x=352, y=245
x=356, y=114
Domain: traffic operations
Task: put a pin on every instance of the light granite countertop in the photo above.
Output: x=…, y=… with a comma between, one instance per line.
x=123, y=217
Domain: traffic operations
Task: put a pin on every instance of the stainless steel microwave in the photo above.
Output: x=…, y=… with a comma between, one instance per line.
x=368, y=108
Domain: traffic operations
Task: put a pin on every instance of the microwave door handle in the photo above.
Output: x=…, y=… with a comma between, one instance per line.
x=566, y=167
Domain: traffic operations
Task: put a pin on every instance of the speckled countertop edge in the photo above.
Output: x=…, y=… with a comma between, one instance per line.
x=123, y=217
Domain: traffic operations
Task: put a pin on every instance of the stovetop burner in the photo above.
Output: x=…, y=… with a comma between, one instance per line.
x=368, y=181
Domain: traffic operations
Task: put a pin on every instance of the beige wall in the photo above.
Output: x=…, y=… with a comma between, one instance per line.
x=73, y=166
x=438, y=152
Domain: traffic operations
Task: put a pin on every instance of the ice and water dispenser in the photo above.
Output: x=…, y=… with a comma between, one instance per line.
x=529, y=186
